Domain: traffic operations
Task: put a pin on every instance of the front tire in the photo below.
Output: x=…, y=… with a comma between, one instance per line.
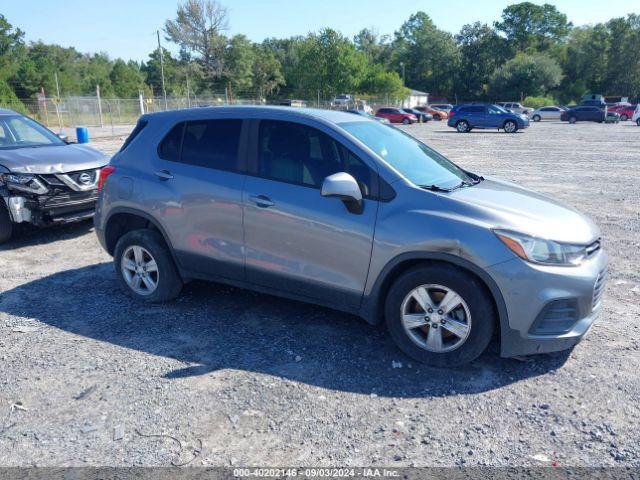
x=624, y=118
x=510, y=126
x=406, y=121
x=463, y=126
x=440, y=315
x=145, y=268
x=6, y=226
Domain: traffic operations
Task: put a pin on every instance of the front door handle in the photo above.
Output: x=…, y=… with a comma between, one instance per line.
x=262, y=201
x=164, y=175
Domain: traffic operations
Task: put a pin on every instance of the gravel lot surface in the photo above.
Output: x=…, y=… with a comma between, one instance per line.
x=229, y=377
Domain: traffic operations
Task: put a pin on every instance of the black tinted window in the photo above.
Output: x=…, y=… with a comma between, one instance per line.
x=296, y=153
x=212, y=144
x=169, y=148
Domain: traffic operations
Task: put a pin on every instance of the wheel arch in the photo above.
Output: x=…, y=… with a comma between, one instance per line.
x=123, y=220
x=372, y=308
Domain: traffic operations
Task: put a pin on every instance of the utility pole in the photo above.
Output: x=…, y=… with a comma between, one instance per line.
x=57, y=101
x=188, y=98
x=164, y=91
x=99, y=105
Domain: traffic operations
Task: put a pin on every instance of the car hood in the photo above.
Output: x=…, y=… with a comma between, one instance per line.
x=508, y=206
x=52, y=159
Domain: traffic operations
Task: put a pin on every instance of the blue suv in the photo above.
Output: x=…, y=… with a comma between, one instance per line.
x=465, y=118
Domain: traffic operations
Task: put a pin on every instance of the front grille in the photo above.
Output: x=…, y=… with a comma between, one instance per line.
x=556, y=318
x=598, y=288
x=80, y=181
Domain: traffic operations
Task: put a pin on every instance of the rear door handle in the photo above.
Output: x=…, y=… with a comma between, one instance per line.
x=262, y=201
x=164, y=175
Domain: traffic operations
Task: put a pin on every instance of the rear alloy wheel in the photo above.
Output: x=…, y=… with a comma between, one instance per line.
x=145, y=267
x=406, y=121
x=573, y=119
x=437, y=118
x=462, y=126
x=440, y=315
x=624, y=118
x=6, y=227
x=536, y=118
x=510, y=126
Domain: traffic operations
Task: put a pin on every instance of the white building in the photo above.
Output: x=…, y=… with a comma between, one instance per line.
x=415, y=99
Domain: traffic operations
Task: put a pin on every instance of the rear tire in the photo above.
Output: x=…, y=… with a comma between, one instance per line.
x=536, y=118
x=6, y=226
x=573, y=119
x=624, y=118
x=481, y=321
x=510, y=126
x=463, y=126
x=638, y=122
x=167, y=279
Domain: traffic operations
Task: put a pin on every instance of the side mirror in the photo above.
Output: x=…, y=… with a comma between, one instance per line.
x=344, y=186
x=63, y=137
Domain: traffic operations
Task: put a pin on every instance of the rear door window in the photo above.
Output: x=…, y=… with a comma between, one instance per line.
x=169, y=148
x=212, y=144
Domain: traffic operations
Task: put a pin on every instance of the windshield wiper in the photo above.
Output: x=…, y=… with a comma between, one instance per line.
x=435, y=188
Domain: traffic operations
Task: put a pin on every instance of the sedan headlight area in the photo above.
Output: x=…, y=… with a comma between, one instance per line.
x=541, y=251
x=23, y=183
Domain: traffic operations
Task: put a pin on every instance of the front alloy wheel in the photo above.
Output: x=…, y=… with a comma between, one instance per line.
x=436, y=318
x=139, y=270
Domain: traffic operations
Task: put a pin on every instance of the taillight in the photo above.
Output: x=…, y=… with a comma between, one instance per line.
x=452, y=113
x=104, y=173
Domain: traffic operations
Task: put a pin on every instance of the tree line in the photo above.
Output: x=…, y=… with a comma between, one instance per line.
x=532, y=51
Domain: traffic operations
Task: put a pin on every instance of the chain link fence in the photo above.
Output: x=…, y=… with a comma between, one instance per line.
x=111, y=117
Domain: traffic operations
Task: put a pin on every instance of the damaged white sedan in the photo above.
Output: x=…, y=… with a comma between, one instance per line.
x=44, y=179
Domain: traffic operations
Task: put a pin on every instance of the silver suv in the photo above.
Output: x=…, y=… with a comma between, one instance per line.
x=338, y=210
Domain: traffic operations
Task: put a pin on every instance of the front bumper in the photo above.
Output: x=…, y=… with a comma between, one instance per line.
x=52, y=209
x=548, y=308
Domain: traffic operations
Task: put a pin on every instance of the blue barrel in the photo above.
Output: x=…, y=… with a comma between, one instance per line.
x=82, y=134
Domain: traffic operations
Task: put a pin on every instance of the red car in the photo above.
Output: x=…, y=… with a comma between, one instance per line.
x=625, y=111
x=395, y=115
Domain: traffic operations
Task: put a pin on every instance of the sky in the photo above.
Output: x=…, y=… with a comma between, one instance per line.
x=127, y=28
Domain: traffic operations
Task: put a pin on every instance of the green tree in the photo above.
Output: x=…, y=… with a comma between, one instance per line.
x=126, y=79
x=267, y=74
x=430, y=55
x=8, y=99
x=585, y=62
x=623, y=67
x=239, y=61
x=381, y=82
x=11, y=47
x=530, y=26
x=526, y=75
x=482, y=50
x=329, y=64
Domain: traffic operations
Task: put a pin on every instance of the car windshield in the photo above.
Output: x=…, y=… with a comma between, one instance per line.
x=17, y=131
x=415, y=161
x=499, y=108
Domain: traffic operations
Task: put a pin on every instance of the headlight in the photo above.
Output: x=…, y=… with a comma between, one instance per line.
x=23, y=182
x=544, y=252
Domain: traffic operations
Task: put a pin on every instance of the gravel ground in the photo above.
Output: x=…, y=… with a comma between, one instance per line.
x=231, y=377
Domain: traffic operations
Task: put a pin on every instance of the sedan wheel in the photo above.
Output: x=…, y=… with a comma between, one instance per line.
x=139, y=270
x=462, y=126
x=436, y=318
x=406, y=121
x=510, y=126
x=536, y=118
x=573, y=120
x=638, y=122
x=624, y=118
